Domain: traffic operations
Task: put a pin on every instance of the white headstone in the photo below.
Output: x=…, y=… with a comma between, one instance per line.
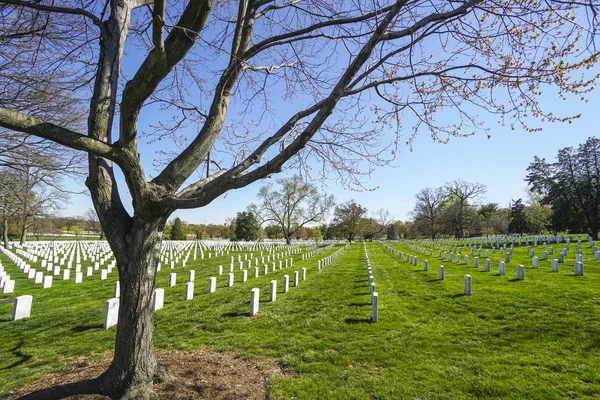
x=442, y=274
x=172, y=279
x=212, y=285
x=520, y=272
x=47, y=282
x=117, y=292
x=192, y=275
x=111, y=313
x=578, y=268
x=468, y=286
x=189, y=291
x=158, y=300
x=9, y=287
x=375, y=302
x=286, y=283
x=273, y=288
x=78, y=277
x=230, y=279
x=22, y=307
x=254, y=300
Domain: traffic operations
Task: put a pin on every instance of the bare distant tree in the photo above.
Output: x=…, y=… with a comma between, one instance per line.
x=428, y=208
x=463, y=193
x=226, y=76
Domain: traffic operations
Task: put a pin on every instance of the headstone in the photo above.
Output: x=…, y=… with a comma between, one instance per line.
x=117, y=291
x=103, y=275
x=189, y=291
x=375, y=303
x=158, y=299
x=286, y=283
x=66, y=274
x=230, y=279
x=254, y=300
x=487, y=265
x=78, y=277
x=8, y=287
x=303, y=274
x=212, y=285
x=425, y=265
x=561, y=258
x=111, y=313
x=273, y=288
x=39, y=277
x=22, y=307
x=47, y=282
x=192, y=275
x=502, y=268
x=578, y=268
x=554, y=263
x=535, y=262
x=520, y=272
x=468, y=287
x=442, y=274
x=172, y=279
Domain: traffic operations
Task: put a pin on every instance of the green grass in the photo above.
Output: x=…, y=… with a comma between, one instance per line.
x=536, y=338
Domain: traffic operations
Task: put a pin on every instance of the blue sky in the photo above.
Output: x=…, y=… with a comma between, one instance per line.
x=499, y=162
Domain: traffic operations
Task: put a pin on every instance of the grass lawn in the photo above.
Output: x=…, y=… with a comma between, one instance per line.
x=535, y=339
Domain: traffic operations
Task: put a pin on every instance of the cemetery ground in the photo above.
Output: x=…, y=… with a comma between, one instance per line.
x=535, y=338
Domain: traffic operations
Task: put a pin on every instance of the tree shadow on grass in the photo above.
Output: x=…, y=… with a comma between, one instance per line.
x=88, y=386
x=16, y=351
x=83, y=328
x=458, y=295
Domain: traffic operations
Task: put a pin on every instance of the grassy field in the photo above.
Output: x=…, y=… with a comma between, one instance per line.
x=535, y=339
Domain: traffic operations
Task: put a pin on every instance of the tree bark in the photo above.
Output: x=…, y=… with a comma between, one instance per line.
x=134, y=367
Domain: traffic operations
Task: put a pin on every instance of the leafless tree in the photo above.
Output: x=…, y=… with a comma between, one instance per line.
x=428, y=208
x=227, y=77
x=461, y=194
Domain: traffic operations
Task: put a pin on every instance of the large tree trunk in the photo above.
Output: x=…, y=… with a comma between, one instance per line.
x=134, y=367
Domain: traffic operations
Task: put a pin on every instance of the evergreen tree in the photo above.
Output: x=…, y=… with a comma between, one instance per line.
x=177, y=232
x=246, y=226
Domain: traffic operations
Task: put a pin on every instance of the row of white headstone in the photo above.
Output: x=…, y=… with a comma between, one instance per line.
x=374, y=294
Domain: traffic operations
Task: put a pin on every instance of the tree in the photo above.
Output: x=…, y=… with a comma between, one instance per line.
x=493, y=219
x=317, y=235
x=76, y=230
x=571, y=187
x=177, y=230
x=428, y=208
x=292, y=205
x=246, y=226
x=361, y=69
x=377, y=224
x=518, y=220
x=273, y=231
x=392, y=232
x=348, y=218
x=460, y=193
x=92, y=222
